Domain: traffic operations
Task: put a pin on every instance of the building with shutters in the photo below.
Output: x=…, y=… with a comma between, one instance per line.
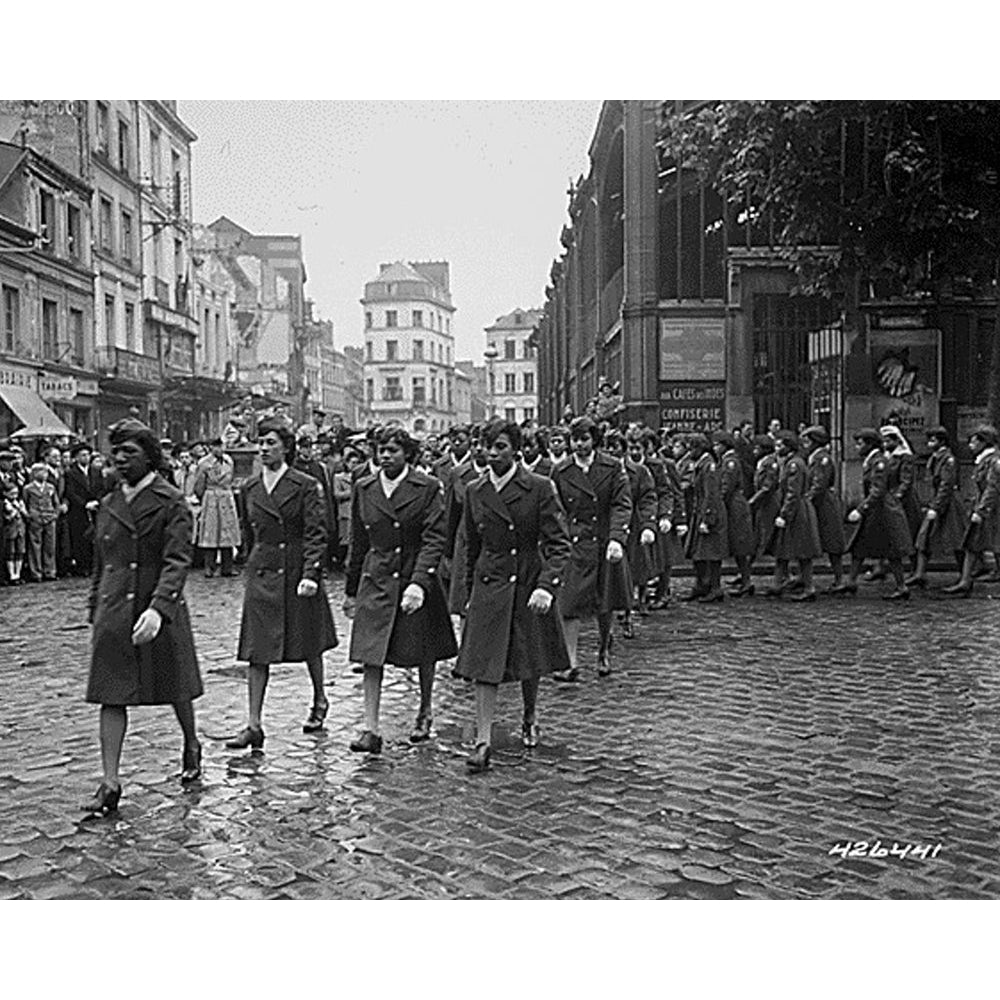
x=512, y=376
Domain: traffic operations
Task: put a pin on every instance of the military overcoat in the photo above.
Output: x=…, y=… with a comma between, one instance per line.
x=765, y=501
x=822, y=494
x=598, y=509
x=799, y=539
x=141, y=558
x=516, y=541
x=945, y=535
x=396, y=541
x=670, y=505
x=985, y=536
x=286, y=538
x=903, y=483
x=707, y=508
x=883, y=531
x=742, y=540
x=457, y=590
x=643, y=560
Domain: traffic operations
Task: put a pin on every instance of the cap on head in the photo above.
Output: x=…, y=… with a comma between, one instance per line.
x=817, y=434
x=869, y=435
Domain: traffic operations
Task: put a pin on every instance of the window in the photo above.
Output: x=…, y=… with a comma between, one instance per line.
x=130, y=343
x=369, y=351
x=529, y=381
x=418, y=350
x=509, y=350
x=74, y=232
x=419, y=391
x=103, y=128
x=369, y=389
x=124, y=159
x=47, y=219
x=392, y=391
x=154, y=156
x=529, y=413
x=50, y=329
x=368, y=320
x=526, y=347
x=390, y=317
x=418, y=317
x=107, y=241
x=450, y=400
x=11, y=318
x=392, y=350
x=109, y=319
x=178, y=183
x=76, y=335
x=447, y=326
x=510, y=382
x=126, y=236
x=434, y=393
x=509, y=414
x=448, y=351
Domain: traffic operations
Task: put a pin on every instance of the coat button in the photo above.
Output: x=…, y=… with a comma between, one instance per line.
x=280, y=571
x=510, y=527
x=281, y=545
x=399, y=550
x=513, y=579
x=133, y=565
x=129, y=596
x=396, y=524
x=513, y=552
x=395, y=576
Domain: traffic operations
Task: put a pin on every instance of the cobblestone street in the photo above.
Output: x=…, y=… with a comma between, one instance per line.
x=732, y=750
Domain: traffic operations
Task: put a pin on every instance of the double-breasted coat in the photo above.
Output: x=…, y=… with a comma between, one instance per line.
x=598, y=509
x=516, y=541
x=822, y=494
x=985, y=536
x=945, y=535
x=799, y=538
x=286, y=539
x=141, y=557
x=670, y=505
x=217, y=524
x=903, y=482
x=707, y=508
x=643, y=560
x=765, y=502
x=457, y=589
x=883, y=531
x=742, y=540
x=396, y=541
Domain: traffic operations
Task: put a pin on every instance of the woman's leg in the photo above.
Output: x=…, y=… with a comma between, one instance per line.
x=806, y=575
x=529, y=695
x=372, y=682
x=257, y=676
x=426, y=673
x=571, y=629
x=227, y=560
x=743, y=565
x=486, y=706
x=114, y=722
x=837, y=565
x=315, y=667
x=184, y=710
x=964, y=584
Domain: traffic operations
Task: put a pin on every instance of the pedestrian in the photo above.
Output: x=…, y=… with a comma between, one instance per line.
x=392, y=589
x=822, y=494
x=942, y=532
x=558, y=447
x=307, y=460
x=472, y=467
x=15, y=519
x=742, y=542
x=142, y=648
x=218, y=529
x=286, y=617
x=796, y=534
x=52, y=456
x=708, y=537
x=533, y=452
x=881, y=529
x=594, y=491
x=516, y=548
x=764, y=501
x=83, y=493
x=42, y=507
x=342, y=497
x=983, y=532
x=902, y=482
x=669, y=513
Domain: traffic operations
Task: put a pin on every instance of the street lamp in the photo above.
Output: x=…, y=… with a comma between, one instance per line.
x=491, y=354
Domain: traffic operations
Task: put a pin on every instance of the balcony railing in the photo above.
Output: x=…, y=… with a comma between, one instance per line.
x=119, y=363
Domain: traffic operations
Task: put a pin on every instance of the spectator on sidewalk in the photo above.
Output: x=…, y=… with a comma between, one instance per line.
x=83, y=494
x=41, y=504
x=218, y=529
x=14, y=531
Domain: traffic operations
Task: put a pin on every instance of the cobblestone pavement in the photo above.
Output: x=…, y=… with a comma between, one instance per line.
x=734, y=747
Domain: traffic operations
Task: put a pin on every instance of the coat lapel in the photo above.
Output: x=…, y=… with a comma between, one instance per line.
x=492, y=500
x=146, y=505
x=574, y=474
x=118, y=508
x=260, y=499
x=405, y=493
x=285, y=491
x=378, y=498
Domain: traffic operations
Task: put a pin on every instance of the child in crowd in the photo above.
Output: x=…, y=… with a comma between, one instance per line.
x=41, y=503
x=14, y=517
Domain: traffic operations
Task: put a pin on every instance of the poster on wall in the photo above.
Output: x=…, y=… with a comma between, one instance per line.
x=692, y=350
x=906, y=370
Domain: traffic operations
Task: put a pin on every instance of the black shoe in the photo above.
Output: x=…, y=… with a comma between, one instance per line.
x=421, y=729
x=105, y=800
x=694, y=594
x=191, y=764
x=806, y=595
x=367, y=742
x=317, y=714
x=628, y=629
x=712, y=597
x=529, y=734
x=604, y=663
x=844, y=588
x=874, y=575
x=958, y=589
x=774, y=593
x=747, y=590
x=253, y=738
x=568, y=676
x=479, y=759
x=899, y=594
x=916, y=581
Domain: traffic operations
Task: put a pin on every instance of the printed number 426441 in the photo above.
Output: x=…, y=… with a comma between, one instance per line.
x=876, y=849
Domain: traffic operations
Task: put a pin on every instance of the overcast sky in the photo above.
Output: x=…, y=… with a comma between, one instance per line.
x=481, y=185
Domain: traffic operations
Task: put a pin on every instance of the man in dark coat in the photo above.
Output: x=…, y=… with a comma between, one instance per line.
x=708, y=534
x=286, y=616
x=517, y=546
x=83, y=492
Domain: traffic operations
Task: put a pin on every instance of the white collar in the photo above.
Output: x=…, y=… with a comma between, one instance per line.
x=557, y=459
x=131, y=492
x=872, y=457
x=533, y=465
x=389, y=485
x=584, y=465
x=985, y=454
x=499, y=482
x=456, y=462
x=270, y=477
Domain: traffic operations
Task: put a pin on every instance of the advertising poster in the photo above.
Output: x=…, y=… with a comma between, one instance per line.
x=906, y=366
x=692, y=350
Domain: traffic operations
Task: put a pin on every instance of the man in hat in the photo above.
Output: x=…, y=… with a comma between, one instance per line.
x=82, y=496
x=313, y=430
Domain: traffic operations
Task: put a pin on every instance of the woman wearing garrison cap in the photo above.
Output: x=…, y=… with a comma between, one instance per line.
x=822, y=494
x=142, y=648
x=882, y=531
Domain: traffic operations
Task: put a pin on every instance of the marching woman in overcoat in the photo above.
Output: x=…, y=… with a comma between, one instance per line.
x=472, y=466
x=669, y=508
x=393, y=591
x=594, y=491
x=796, y=533
x=983, y=533
x=764, y=501
x=142, y=650
x=286, y=616
x=708, y=526
x=882, y=531
x=822, y=494
x=218, y=526
x=942, y=533
x=902, y=483
x=517, y=545
x=742, y=541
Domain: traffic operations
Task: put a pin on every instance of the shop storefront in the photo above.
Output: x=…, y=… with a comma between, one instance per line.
x=24, y=414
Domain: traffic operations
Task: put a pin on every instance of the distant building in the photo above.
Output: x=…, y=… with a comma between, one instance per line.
x=463, y=396
x=476, y=375
x=355, y=413
x=513, y=374
x=409, y=363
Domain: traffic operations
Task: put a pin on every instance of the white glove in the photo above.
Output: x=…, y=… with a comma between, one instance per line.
x=665, y=524
x=976, y=519
x=854, y=516
x=307, y=588
x=413, y=598
x=147, y=627
x=615, y=552
x=193, y=500
x=682, y=530
x=704, y=528
x=93, y=504
x=647, y=537
x=779, y=522
x=931, y=514
x=540, y=601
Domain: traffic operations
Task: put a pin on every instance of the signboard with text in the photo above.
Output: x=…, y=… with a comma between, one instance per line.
x=693, y=406
x=692, y=350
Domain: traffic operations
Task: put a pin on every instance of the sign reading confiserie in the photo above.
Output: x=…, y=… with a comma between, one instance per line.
x=693, y=406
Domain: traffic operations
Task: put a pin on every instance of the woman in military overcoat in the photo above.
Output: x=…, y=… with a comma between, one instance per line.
x=393, y=591
x=708, y=526
x=142, y=649
x=594, y=491
x=764, y=501
x=741, y=538
x=286, y=616
x=822, y=494
x=517, y=545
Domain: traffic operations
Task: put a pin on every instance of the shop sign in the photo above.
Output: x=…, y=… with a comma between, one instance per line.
x=58, y=388
x=25, y=378
x=969, y=418
x=906, y=367
x=693, y=406
x=692, y=349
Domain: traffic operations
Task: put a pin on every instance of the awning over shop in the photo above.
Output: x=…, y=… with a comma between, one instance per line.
x=30, y=409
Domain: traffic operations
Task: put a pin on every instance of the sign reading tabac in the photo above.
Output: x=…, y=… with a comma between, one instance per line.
x=692, y=350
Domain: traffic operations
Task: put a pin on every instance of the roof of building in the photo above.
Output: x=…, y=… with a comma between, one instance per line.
x=517, y=319
x=398, y=271
x=10, y=157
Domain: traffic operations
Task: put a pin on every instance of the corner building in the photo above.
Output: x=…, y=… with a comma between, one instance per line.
x=513, y=379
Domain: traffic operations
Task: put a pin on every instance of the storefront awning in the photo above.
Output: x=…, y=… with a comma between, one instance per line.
x=30, y=409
